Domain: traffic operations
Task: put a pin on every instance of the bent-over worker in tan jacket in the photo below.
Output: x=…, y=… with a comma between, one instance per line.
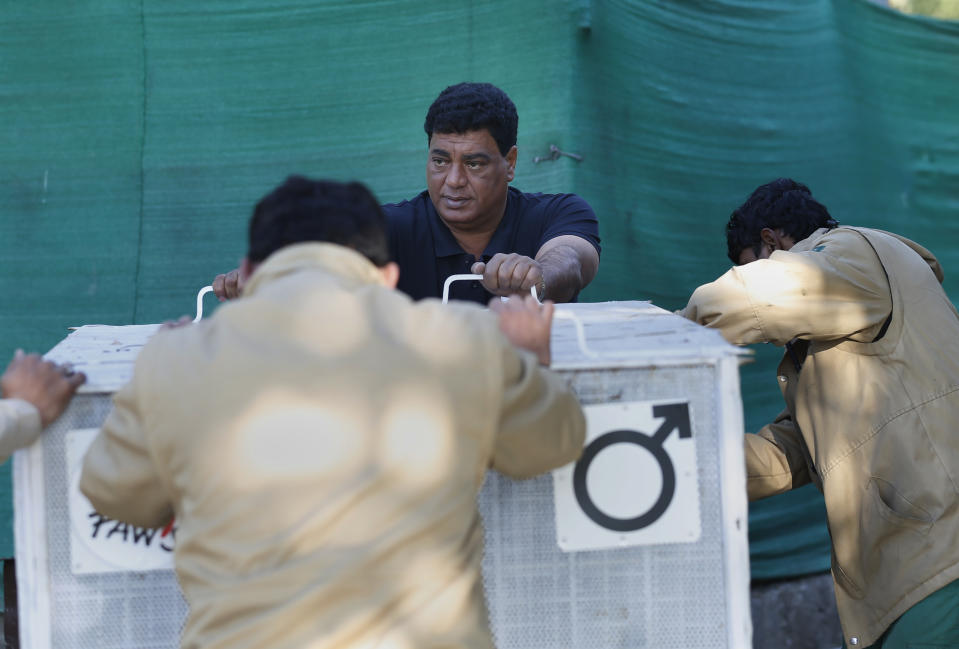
x=322, y=440
x=871, y=383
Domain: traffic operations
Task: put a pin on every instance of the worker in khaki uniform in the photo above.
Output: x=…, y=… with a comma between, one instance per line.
x=871, y=383
x=322, y=440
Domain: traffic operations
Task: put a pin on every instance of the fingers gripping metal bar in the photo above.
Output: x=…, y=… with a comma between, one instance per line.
x=558, y=314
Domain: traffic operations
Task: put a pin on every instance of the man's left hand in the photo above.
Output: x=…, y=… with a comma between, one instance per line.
x=48, y=386
x=507, y=274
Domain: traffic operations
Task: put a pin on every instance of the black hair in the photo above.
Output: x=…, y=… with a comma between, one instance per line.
x=302, y=210
x=782, y=204
x=472, y=107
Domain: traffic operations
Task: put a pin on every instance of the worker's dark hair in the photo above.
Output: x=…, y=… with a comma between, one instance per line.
x=302, y=210
x=472, y=107
x=782, y=204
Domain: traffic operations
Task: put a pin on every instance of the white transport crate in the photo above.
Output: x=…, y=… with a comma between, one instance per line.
x=640, y=544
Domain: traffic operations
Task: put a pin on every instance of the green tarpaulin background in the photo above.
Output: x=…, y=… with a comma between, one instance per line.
x=135, y=136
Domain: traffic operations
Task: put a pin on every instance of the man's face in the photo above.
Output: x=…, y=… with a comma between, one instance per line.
x=467, y=177
x=771, y=240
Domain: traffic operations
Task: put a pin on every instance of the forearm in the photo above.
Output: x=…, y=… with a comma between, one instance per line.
x=725, y=305
x=840, y=293
x=542, y=425
x=567, y=269
x=119, y=476
x=19, y=426
x=775, y=460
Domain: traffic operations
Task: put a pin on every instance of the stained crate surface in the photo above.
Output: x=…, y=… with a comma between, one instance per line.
x=682, y=595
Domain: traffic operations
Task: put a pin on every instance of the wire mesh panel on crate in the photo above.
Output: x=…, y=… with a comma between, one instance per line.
x=82, y=580
x=640, y=544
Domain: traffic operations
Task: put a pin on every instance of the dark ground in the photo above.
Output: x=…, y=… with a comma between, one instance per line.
x=796, y=613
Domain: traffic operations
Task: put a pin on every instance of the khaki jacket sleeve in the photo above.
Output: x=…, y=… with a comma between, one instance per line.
x=119, y=475
x=775, y=461
x=542, y=426
x=19, y=426
x=834, y=291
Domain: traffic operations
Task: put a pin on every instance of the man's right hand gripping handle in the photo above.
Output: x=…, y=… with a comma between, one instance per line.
x=227, y=286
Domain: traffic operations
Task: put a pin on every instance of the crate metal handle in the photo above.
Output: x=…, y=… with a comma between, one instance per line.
x=199, y=302
x=470, y=277
x=557, y=314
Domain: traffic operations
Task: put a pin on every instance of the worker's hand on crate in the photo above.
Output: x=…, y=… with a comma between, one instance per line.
x=526, y=323
x=48, y=386
x=227, y=286
x=508, y=274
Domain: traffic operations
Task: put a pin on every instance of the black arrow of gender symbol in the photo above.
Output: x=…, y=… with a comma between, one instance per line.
x=675, y=416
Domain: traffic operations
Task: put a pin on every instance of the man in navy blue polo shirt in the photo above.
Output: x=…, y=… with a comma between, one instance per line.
x=469, y=220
